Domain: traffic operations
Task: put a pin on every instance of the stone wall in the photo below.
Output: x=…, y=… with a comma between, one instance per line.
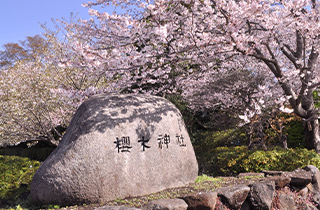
x=299, y=189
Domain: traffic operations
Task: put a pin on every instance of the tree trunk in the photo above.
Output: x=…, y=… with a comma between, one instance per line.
x=312, y=137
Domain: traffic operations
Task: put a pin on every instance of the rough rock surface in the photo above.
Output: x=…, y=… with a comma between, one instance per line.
x=315, y=177
x=117, y=146
x=202, y=200
x=284, y=197
x=233, y=196
x=299, y=177
x=261, y=195
x=280, y=181
x=286, y=201
x=316, y=198
x=166, y=204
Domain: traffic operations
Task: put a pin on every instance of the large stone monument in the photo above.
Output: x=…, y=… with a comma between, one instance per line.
x=117, y=146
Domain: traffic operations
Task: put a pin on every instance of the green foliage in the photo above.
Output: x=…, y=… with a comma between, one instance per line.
x=206, y=178
x=316, y=98
x=280, y=159
x=229, y=137
x=33, y=153
x=15, y=176
x=295, y=133
x=229, y=161
x=222, y=161
x=186, y=112
x=207, y=143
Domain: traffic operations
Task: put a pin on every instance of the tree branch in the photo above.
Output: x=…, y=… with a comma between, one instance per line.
x=271, y=63
x=290, y=56
x=300, y=45
x=312, y=58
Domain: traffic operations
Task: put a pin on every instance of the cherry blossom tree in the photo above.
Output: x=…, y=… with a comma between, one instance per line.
x=265, y=51
x=37, y=97
x=29, y=108
x=282, y=36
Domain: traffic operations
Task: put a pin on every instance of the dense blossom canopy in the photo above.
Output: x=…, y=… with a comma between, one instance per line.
x=243, y=55
x=264, y=51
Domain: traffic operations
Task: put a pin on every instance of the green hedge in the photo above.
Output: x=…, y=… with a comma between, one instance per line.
x=15, y=175
x=229, y=161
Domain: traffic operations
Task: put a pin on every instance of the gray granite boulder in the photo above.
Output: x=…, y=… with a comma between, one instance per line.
x=117, y=146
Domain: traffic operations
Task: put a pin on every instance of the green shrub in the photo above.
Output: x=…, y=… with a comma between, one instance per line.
x=280, y=160
x=229, y=161
x=222, y=161
x=229, y=137
x=15, y=176
x=295, y=133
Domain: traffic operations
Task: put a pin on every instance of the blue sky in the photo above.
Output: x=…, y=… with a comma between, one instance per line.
x=22, y=18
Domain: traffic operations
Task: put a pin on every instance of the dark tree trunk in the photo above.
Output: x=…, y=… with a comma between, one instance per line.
x=312, y=137
x=301, y=101
x=283, y=138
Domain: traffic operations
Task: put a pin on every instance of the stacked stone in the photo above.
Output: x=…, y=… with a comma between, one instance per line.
x=259, y=195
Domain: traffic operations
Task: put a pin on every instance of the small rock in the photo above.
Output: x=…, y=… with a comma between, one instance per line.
x=202, y=200
x=315, y=178
x=261, y=195
x=299, y=177
x=280, y=181
x=316, y=199
x=286, y=201
x=233, y=196
x=166, y=204
x=303, y=192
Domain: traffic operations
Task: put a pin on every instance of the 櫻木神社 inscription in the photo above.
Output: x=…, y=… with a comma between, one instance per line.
x=123, y=144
